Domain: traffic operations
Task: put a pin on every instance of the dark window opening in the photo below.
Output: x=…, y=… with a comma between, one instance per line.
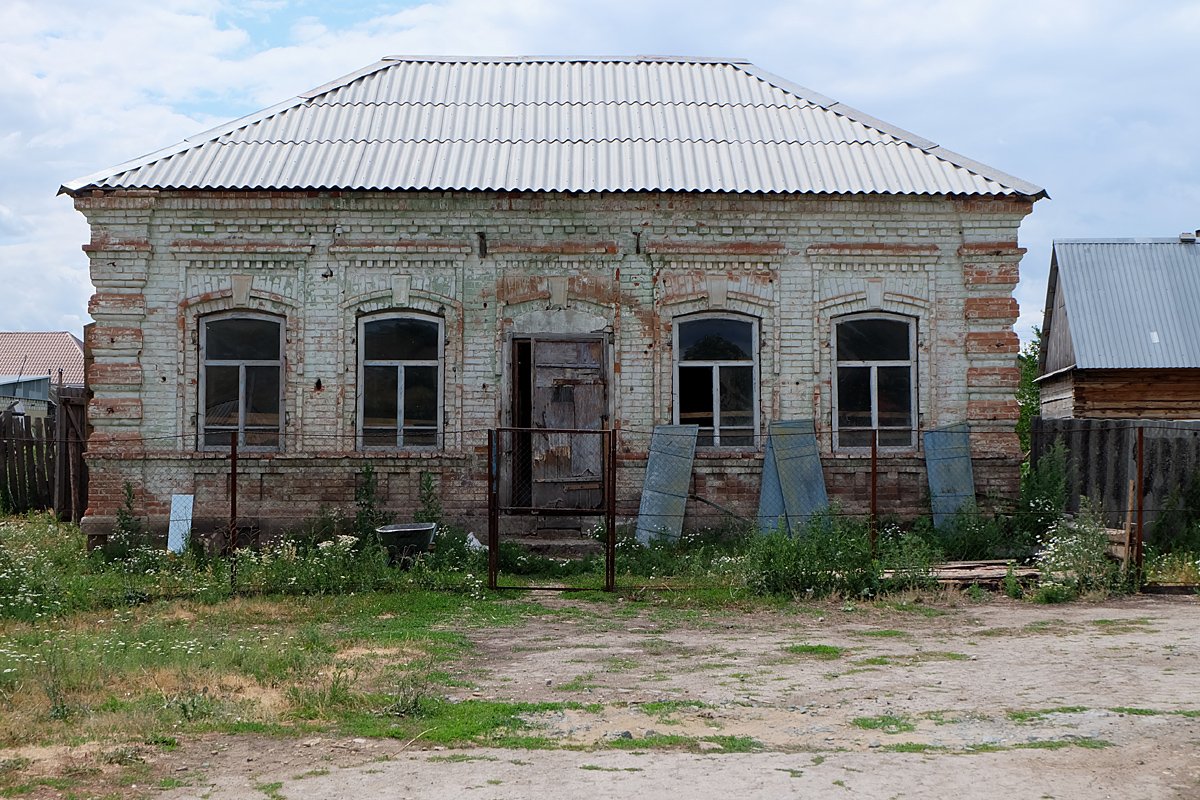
x=716, y=380
x=241, y=378
x=875, y=382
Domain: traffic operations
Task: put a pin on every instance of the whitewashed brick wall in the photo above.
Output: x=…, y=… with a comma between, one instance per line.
x=485, y=263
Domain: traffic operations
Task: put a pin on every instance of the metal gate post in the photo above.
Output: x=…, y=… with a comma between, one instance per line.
x=231, y=542
x=493, y=509
x=874, y=522
x=610, y=511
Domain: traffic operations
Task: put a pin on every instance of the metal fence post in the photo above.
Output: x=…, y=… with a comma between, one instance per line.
x=231, y=540
x=610, y=511
x=1141, y=472
x=493, y=555
x=873, y=525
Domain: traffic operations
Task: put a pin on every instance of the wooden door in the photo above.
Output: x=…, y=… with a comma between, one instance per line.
x=568, y=391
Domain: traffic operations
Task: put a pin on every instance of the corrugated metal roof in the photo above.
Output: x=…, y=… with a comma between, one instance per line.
x=1131, y=303
x=32, y=354
x=567, y=124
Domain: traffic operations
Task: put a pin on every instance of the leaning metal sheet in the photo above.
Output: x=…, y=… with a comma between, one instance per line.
x=665, y=489
x=948, y=464
x=793, y=485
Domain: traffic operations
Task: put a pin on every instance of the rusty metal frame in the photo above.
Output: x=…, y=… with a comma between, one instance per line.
x=607, y=508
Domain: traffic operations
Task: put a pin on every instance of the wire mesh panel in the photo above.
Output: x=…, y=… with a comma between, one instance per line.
x=551, y=495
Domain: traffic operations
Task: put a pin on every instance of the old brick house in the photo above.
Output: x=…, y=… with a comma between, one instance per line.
x=375, y=272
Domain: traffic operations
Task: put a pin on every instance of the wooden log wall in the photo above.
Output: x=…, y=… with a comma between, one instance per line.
x=1170, y=394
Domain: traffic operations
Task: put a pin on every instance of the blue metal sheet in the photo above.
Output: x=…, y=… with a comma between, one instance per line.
x=665, y=489
x=793, y=484
x=948, y=464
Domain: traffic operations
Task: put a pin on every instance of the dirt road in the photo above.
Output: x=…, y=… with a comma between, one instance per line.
x=995, y=699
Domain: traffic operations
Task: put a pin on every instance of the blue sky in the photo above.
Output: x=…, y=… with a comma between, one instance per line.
x=1093, y=99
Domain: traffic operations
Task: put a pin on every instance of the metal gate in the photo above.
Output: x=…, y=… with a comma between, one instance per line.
x=543, y=473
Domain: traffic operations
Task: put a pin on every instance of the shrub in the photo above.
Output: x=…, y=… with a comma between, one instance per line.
x=1073, y=554
x=369, y=515
x=830, y=555
x=908, y=556
x=1012, y=584
x=972, y=534
x=430, y=502
x=335, y=566
x=129, y=541
x=699, y=552
x=1043, y=498
x=37, y=555
x=1180, y=566
x=1177, y=526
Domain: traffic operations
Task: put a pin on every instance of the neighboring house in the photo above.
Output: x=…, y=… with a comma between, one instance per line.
x=31, y=365
x=381, y=270
x=1121, y=333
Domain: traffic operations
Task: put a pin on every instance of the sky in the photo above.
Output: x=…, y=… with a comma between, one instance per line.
x=1094, y=100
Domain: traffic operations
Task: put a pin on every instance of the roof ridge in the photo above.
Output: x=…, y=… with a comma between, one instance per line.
x=551, y=59
x=1125, y=240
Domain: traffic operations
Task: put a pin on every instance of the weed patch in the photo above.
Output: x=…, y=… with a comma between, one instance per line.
x=913, y=747
x=885, y=723
x=1034, y=715
x=824, y=652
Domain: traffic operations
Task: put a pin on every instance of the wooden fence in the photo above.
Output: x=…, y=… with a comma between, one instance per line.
x=1103, y=461
x=41, y=461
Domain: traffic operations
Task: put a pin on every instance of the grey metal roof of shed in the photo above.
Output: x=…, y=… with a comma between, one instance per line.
x=561, y=124
x=1131, y=303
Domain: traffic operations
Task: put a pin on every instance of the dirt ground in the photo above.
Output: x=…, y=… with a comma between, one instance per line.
x=957, y=700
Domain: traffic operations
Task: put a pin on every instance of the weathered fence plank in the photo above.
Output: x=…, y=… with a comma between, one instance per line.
x=41, y=464
x=1102, y=461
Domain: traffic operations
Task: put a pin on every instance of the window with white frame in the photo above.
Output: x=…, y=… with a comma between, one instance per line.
x=400, y=381
x=241, y=380
x=716, y=379
x=875, y=385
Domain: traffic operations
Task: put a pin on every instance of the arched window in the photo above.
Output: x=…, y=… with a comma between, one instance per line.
x=241, y=380
x=875, y=386
x=400, y=381
x=716, y=379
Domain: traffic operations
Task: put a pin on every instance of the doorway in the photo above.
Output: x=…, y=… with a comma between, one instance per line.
x=559, y=384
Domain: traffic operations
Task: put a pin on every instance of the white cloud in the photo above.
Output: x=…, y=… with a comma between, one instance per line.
x=1090, y=98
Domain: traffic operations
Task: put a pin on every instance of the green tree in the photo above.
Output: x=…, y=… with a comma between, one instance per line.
x=1028, y=394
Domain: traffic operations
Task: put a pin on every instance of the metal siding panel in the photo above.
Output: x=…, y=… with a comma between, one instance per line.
x=665, y=488
x=948, y=466
x=1118, y=291
x=793, y=484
